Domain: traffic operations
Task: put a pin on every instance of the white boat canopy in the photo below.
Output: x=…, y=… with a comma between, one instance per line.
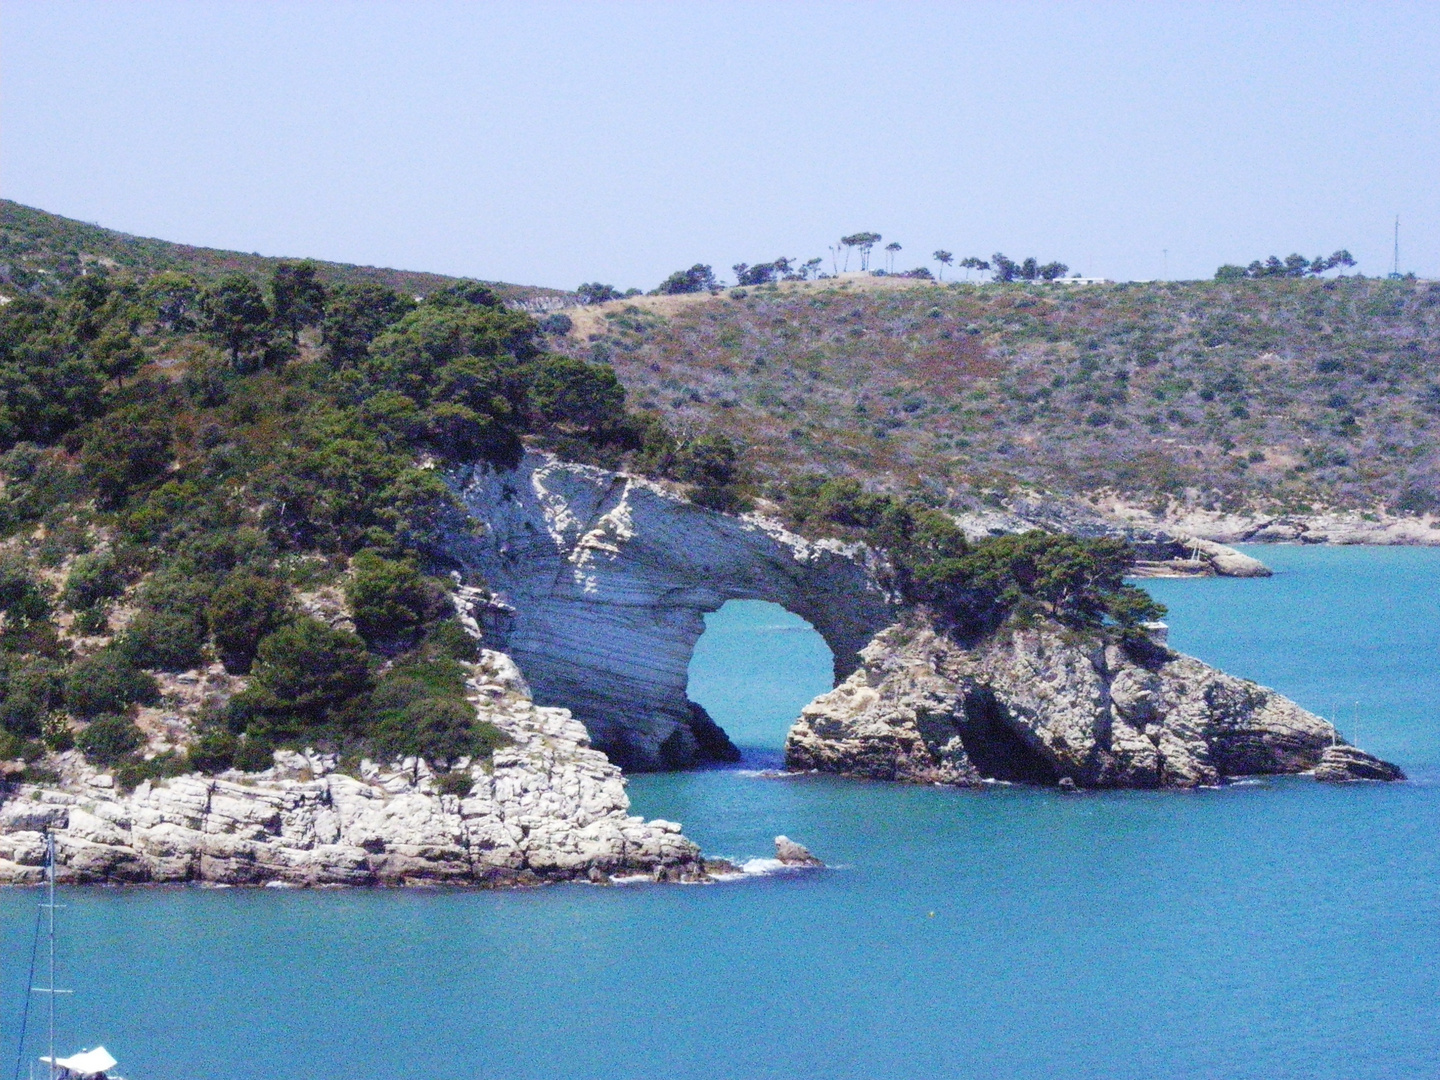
x=86, y=1063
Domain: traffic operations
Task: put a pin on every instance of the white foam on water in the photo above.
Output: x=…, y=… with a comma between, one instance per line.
x=631, y=879
x=761, y=867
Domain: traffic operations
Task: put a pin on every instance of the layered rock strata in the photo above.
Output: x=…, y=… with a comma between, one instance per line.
x=548, y=808
x=603, y=581
x=1047, y=705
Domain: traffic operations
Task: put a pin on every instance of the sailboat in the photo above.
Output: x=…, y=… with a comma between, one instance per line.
x=87, y=1064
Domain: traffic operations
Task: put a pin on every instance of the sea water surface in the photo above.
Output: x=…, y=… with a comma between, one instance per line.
x=1268, y=930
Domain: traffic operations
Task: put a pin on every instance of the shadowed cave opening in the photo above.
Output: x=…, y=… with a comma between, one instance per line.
x=996, y=750
x=755, y=667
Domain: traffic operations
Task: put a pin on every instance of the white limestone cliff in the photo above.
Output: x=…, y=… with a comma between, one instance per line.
x=547, y=808
x=605, y=579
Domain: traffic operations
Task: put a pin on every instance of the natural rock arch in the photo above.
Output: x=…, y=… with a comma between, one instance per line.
x=607, y=578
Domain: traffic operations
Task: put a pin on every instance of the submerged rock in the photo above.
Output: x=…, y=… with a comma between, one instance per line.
x=1045, y=704
x=547, y=808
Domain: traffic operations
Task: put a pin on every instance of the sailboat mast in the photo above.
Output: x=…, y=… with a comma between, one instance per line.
x=50, y=885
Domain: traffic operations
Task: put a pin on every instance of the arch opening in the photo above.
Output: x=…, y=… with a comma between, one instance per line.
x=755, y=666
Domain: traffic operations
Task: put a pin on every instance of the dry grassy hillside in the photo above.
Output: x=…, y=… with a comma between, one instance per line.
x=1273, y=395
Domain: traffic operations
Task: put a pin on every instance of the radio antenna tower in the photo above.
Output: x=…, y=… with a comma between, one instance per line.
x=1395, y=269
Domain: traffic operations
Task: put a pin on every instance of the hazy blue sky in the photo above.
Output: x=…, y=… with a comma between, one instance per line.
x=559, y=143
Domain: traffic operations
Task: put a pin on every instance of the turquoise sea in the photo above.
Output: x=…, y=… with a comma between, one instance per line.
x=1269, y=930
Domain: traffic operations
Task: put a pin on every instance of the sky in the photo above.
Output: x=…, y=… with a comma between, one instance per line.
x=555, y=143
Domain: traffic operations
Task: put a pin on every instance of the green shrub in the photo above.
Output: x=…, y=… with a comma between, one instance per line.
x=91, y=622
x=457, y=782
x=254, y=755
x=11, y=746
x=106, y=683
x=169, y=632
x=243, y=611
x=31, y=688
x=438, y=729
x=23, y=598
x=166, y=640
x=36, y=482
x=452, y=641
x=699, y=278
x=40, y=774
x=132, y=772
x=390, y=598
x=306, y=670
x=130, y=451
x=576, y=393
x=719, y=497
x=93, y=580
x=57, y=735
x=214, y=751
x=108, y=739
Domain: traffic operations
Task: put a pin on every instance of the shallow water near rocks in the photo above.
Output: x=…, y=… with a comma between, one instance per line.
x=1270, y=929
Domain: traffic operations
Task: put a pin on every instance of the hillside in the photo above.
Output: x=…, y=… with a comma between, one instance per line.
x=229, y=514
x=41, y=252
x=1262, y=396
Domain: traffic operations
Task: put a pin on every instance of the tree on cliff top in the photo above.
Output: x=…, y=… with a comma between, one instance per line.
x=699, y=278
x=864, y=241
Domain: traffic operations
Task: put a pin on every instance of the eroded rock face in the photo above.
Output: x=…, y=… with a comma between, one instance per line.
x=551, y=809
x=1047, y=705
x=1342, y=764
x=606, y=579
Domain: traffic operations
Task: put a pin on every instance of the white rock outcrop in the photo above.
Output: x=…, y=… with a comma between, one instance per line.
x=605, y=579
x=1048, y=705
x=547, y=808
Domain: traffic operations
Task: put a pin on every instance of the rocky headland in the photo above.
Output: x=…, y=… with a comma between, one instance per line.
x=595, y=584
x=547, y=808
x=1049, y=705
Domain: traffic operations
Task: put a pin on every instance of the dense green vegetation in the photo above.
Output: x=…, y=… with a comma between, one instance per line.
x=1282, y=394
x=183, y=462
x=980, y=584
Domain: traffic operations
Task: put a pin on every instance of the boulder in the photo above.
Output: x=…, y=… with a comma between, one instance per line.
x=792, y=854
x=1227, y=562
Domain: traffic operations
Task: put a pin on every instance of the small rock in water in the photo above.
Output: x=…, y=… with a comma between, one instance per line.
x=1067, y=783
x=792, y=854
x=1340, y=764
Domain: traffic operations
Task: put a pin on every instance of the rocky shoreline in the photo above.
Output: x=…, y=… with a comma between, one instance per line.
x=547, y=808
x=1053, y=706
x=1377, y=527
